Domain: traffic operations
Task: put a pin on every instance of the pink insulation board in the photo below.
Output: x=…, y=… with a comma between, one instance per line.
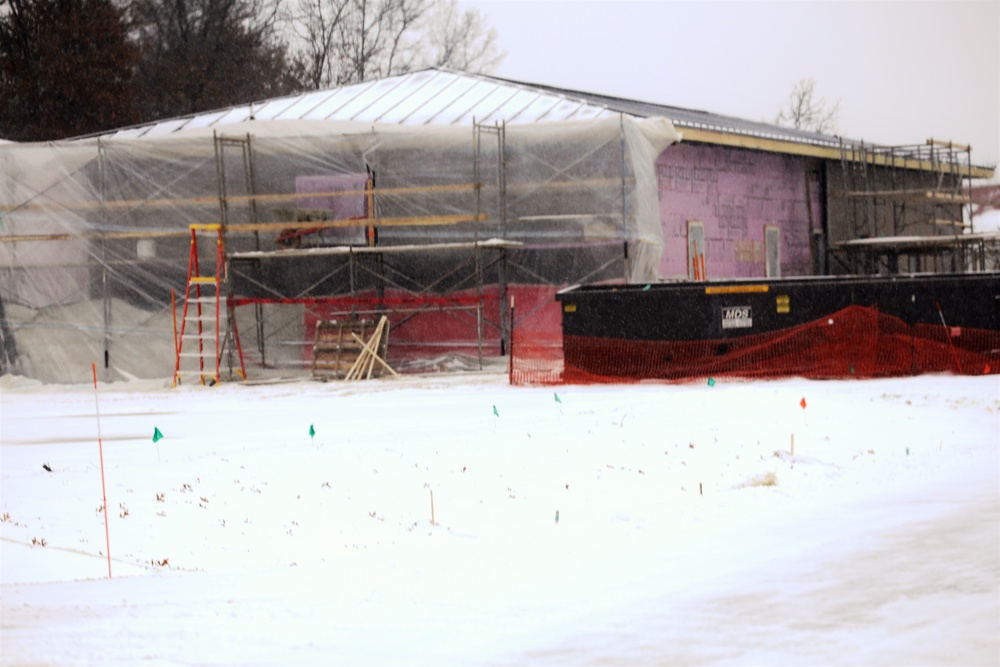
x=736, y=194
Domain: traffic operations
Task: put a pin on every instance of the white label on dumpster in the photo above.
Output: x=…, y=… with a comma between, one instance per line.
x=736, y=317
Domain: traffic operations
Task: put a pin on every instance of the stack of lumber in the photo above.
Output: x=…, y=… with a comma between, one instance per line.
x=364, y=365
x=350, y=349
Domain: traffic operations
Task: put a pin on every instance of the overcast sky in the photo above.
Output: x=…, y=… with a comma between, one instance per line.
x=903, y=71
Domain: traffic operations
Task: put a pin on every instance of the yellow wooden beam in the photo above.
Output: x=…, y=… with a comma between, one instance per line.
x=929, y=196
x=18, y=238
x=361, y=222
x=113, y=204
x=137, y=204
x=811, y=150
x=419, y=221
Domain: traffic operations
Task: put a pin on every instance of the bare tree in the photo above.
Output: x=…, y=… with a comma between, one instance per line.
x=66, y=68
x=206, y=54
x=346, y=41
x=316, y=23
x=804, y=112
x=462, y=40
x=376, y=38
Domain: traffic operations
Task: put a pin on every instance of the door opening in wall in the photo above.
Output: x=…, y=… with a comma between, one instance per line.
x=696, y=250
x=772, y=251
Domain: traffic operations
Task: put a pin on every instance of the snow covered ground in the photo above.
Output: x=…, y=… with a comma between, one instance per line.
x=649, y=524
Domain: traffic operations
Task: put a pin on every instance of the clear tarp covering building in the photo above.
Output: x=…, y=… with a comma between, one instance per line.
x=437, y=227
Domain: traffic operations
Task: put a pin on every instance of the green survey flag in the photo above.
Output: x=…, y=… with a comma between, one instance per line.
x=495, y=413
x=312, y=431
x=557, y=397
x=157, y=436
x=711, y=382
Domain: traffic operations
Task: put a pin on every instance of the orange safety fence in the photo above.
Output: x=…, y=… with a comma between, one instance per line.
x=857, y=341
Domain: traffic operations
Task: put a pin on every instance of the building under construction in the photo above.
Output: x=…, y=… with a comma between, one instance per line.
x=269, y=240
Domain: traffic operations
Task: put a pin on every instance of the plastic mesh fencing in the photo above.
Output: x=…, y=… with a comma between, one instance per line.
x=857, y=341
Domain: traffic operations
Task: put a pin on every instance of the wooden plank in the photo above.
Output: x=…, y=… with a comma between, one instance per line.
x=359, y=364
x=213, y=201
x=347, y=249
x=364, y=365
x=715, y=137
x=962, y=148
x=23, y=238
x=332, y=350
x=232, y=199
x=379, y=359
x=420, y=221
x=370, y=348
x=354, y=366
x=914, y=195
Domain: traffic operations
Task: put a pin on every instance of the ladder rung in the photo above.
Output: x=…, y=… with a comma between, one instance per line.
x=202, y=336
x=203, y=316
x=205, y=299
x=202, y=280
x=195, y=355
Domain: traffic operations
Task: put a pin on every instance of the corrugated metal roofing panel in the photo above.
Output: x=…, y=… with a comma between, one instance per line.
x=355, y=109
x=566, y=109
x=167, y=127
x=271, y=109
x=589, y=111
x=306, y=103
x=328, y=107
x=491, y=98
x=450, y=113
x=440, y=87
x=446, y=102
x=537, y=111
x=516, y=105
x=206, y=119
x=398, y=97
x=131, y=132
x=234, y=115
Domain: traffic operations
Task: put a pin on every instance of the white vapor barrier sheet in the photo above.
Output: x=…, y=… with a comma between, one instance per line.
x=95, y=235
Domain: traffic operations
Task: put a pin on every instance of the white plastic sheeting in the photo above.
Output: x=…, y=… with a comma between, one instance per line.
x=95, y=233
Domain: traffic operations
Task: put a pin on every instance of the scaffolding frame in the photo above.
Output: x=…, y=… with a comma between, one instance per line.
x=416, y=300
x=907, y=192
x=500, y=130
x=245, y=147
x=416, y=303
x=128, y=269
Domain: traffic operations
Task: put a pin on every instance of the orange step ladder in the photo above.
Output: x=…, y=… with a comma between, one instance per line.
x=203, y=312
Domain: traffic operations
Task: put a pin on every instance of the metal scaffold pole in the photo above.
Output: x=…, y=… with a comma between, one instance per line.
x=102, y=184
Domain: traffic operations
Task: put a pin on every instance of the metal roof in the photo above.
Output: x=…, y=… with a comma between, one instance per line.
x=439, y=96
x=695, y=118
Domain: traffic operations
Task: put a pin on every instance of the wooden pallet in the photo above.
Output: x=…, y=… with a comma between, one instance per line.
x=339, y=349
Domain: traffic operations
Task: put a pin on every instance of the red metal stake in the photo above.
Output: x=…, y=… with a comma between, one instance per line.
x=173, y=310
